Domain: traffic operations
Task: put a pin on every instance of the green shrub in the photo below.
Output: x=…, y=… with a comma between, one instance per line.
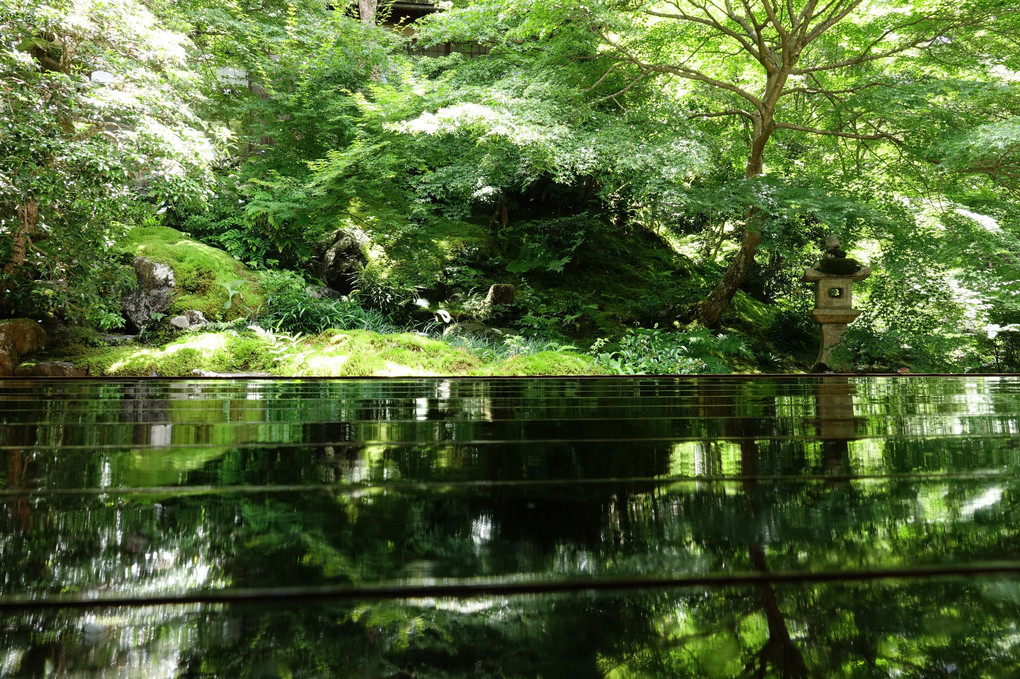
x=655, y=351
x=291, y=307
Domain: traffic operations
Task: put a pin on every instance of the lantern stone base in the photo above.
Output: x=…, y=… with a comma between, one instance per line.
x=833, y=323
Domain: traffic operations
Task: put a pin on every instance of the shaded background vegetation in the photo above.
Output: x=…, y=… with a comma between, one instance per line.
x=565, y=150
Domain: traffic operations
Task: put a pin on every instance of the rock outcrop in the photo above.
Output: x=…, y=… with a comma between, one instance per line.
x=17, y=338
x=343, y=259
x=155, y=290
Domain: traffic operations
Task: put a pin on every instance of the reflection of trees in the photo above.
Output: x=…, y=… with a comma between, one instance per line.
x=393, y=509
x=779, y=652
x=834, y=418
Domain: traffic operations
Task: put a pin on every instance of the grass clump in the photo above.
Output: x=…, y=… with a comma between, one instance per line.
x=543, y=363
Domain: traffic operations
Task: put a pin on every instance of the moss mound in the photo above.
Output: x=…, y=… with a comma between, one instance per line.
x=228, y=351
x=208, y=279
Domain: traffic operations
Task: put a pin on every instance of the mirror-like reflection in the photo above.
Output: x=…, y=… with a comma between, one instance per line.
x=792, y=527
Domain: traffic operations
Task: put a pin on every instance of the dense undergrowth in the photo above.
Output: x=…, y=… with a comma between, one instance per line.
x=277, y=322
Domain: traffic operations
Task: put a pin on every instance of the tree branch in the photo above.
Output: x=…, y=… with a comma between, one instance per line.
x=626, y=89
x=828, y=93
x=719, y=114
x=863, y=56
x=792, y=16
x=605, y=75
x=771, y=12
x=711, y=23
x=691, y=74
x=834, y=18
x=836, y=133
x=807, y=13
x=682, y=71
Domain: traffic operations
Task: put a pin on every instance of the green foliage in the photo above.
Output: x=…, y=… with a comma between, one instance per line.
x=289, y=96
x=549, y=244
x=78, y=154
x=516, y=138
x=655, y=351
x=291, y=306
x=790, y=330
x=557, y=162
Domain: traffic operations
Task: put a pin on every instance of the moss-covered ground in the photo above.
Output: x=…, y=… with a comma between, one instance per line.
x=332, y=353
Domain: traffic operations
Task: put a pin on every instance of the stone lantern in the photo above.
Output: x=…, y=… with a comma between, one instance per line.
x=833, y=275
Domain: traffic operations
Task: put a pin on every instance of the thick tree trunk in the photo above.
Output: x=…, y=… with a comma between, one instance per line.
x=366, y=10
x=780, y=653
x=710, y=309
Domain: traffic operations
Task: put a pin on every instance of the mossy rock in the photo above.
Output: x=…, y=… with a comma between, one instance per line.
x=208, y=279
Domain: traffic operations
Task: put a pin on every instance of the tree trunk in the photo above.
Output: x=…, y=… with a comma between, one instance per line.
x=709, y=311
x=779, y=653
x=366, y=10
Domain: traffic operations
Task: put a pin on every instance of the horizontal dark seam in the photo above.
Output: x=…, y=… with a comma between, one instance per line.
x=282, y=595
x=465, y=442
x=1010, y=417
x=361, y=488
x=502, y=378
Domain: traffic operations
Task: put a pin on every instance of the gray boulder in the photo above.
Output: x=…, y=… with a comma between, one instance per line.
x=501, y=293
x=56, y=369
x=155, y=289
x=343, y=259
x=196, y=318
x=189, y=319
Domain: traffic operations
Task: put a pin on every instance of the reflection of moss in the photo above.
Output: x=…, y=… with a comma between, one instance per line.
x=205, y=276
x=166, y=467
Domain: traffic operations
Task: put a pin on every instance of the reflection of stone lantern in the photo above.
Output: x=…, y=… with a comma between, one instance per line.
x=833, y=276
x=834, y=421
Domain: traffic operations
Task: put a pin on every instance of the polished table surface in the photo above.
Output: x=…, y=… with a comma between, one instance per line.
x=797, y=526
